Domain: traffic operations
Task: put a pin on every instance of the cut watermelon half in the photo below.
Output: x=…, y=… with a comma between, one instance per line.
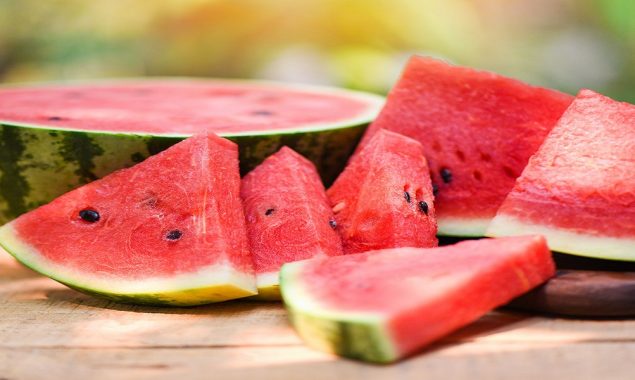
x=478, y=130
x=288, y=217
x=169, y=230
x=54, y=138
x=383, y=199
x=383, y=305
x=579, y=188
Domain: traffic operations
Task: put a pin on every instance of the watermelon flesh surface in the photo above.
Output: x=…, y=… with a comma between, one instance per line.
x=383, y=198
x=288, y=217
x=57, y=137
x=381, y=306
x=578, y=190
x=478, y=130
x=182, y=107
x=169, y=230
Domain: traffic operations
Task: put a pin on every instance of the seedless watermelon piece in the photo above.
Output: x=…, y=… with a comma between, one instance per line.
x=381, y=306
x=56, y=137
x=578, y=190
x=288, y=217
x=169, y=230
x=478, y=130
x=383, y=198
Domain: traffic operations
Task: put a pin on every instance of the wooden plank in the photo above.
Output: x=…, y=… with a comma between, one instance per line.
x=49, y=330
x=37, y=312
x=463, y=361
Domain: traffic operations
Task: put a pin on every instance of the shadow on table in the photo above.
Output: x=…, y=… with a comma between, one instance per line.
x=77, y=298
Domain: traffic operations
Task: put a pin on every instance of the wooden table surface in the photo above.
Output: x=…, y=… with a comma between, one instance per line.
x=48, y=332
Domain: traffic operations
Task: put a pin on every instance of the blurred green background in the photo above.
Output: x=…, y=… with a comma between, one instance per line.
x=566, y=44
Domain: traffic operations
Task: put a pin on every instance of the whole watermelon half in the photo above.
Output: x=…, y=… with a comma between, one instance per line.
x=54, y=138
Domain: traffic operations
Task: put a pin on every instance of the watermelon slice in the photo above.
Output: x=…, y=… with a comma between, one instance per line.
x=579, y=188
x=383, y=305
x=383, y=199
x=478, y=130
x=55, y=138
x=288, y=217
x=169, y=230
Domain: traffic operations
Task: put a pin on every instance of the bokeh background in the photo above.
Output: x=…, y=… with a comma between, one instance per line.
x=362, y=44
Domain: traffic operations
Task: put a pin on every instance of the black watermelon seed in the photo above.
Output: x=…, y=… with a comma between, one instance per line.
x=423, y=207
x=446, y=175
x=407, y=196
x=174, y=235
x=54, y=118
x=435, y=189
x=269, y=211
x=333, y=223
x=88, y=215
x=262, y=113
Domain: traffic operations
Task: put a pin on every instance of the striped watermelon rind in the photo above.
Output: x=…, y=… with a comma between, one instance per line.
x=41, y=162
x=360, y=335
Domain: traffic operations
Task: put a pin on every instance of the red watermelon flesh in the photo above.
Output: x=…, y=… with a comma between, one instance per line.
x=169, y=230
x=288, y=217
x=383, y=305
x=182, y=106
x=383, y=198
x=578, y=190
x=478, y=130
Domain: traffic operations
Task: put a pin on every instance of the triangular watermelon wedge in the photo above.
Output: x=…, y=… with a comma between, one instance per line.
x=384, y=198
x=380, y=306
x=288, y=215
x=579, y=188
x=169, y=230
x=478, y=130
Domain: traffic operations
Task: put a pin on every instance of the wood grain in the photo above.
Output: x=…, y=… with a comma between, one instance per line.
x=50, y=332
x=583, y=293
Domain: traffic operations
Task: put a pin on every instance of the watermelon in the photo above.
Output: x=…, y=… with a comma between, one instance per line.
x=478, y=130
x=57, y=137
x=168, y=231
x=578, y=190
x=380, y=306
x=383, y=198
x=288, y=217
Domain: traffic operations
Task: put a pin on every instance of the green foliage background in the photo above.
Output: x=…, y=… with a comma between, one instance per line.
x=361, y=44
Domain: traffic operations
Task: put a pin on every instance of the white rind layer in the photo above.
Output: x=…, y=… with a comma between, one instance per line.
x=566, y=241
x=218, y=275
x=316, y=323
x=269, y=279
x=451, y=226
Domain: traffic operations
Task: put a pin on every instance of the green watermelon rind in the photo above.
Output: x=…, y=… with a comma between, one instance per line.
x=40, y=162
x=462, y=227
x=356, y=335
x=268, y=286
x=561, y=240
x=191, y=289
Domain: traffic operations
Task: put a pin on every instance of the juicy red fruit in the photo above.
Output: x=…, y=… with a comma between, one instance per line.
x=478, y=130
x=383, y=199
x=162, y=217
x=181, y=107
x=287, y=212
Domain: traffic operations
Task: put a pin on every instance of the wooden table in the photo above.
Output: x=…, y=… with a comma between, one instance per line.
x=48, y=332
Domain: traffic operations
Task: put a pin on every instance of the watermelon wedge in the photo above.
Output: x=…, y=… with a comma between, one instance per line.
x=288, y=217
x=579, y=188
x=168, y=231
x=54, y=138
x=478, y=130
x=381, y=306
x=383, y=199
